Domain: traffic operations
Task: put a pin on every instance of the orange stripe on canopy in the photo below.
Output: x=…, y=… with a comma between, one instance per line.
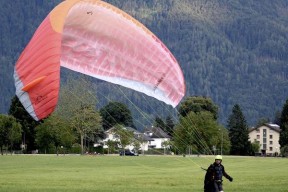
x=33, y=83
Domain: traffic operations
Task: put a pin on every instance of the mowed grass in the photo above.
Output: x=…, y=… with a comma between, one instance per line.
x=50, y=173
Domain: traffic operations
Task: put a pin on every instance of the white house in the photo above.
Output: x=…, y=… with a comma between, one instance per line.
x=268, y=137
x=143, y=139
x=158, y=135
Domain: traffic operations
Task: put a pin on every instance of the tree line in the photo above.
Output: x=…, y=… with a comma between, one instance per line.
x=76, y=125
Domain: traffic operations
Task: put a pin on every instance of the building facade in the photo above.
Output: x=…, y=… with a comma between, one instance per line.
x=159, y=137
x=152, y=138
x=143, y=139
x=267, y=136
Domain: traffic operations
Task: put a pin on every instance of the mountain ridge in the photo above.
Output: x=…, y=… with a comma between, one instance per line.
x=231, y=51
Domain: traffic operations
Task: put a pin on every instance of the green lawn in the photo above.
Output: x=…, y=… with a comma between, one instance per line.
x=136, y=174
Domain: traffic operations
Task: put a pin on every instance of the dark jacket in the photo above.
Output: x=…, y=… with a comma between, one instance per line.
x=214, y=173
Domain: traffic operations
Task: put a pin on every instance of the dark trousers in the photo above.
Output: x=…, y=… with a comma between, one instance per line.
x=218, y=186
x=213, y=186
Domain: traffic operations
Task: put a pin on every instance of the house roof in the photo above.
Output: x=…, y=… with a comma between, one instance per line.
x=137, y=135
x=155, y=132
x=272, y=126
x=127, y=128
x=143, y=137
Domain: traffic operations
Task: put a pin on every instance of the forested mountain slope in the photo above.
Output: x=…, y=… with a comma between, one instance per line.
x=231, y=51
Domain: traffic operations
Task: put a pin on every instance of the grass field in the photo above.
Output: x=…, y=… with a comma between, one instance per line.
x=49, y=173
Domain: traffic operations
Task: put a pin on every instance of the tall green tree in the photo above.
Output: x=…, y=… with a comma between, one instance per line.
x=126, y=137
x=116, y=113
x=255, y=146
x=198, y=104
x=27, y=122
x=10, y=131
x=199, y=131
x=277, y=118
x=112, y=146
x=169, y=125
x=238, y=132
x=283, y=140
x=86, y=121
x=77, y=105
x=54, y=132
x=158, y=122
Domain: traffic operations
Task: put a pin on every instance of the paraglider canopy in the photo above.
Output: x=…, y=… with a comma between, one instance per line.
x=97, y=39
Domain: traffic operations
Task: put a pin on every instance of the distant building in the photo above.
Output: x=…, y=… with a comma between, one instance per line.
x=153, y=137
x=143, y=139
x=158, y=135
x=268, y=137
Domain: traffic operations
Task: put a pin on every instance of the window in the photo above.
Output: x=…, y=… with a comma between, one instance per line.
x=271, y=136
x=264, y=146
x=264, y=132
x=264, y=136
x=258, y=136
x=271, y=142
x=270, y=148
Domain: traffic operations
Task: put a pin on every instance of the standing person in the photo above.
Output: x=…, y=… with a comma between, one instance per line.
x=213, y=177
